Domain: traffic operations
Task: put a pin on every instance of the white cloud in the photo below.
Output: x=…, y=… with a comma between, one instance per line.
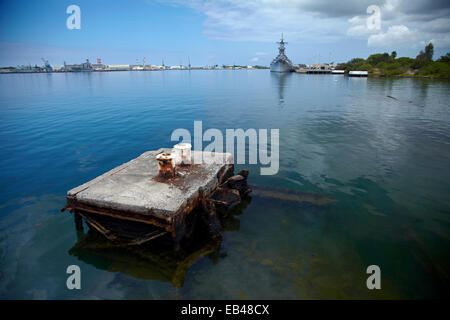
x=320, y=21
x=357, y=20
x=412, y=22
x=360, y=31
x=265, y=20
x=395, y=35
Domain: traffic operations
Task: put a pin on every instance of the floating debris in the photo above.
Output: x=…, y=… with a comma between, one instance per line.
x=291, y=195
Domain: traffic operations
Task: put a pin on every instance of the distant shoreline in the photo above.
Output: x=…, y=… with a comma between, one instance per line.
x=99, y=71
x=196, y=69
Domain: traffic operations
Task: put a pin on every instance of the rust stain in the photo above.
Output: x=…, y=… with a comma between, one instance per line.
x=181, y=176
x=166, y=165
x=156, y=220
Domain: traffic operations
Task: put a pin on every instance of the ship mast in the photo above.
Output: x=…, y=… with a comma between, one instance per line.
x=282, y=43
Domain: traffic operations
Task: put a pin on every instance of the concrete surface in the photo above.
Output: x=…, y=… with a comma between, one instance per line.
x=135, y=186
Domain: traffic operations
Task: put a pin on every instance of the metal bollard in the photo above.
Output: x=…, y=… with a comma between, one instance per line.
x=166, y=165
x=182, y=153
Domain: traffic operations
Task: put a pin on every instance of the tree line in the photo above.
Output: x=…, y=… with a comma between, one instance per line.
x=389, y=65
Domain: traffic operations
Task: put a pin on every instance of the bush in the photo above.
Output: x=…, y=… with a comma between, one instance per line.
x=419, y=63
x=436, y=69
x=365, y=67
x=405, y=61
x=356, y=61
x=381, y=65
x=445, y=58
x=392, y=69
x=354, y=64
x=379, y=57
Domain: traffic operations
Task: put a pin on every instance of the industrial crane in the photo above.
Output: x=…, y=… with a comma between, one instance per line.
x=47, y=66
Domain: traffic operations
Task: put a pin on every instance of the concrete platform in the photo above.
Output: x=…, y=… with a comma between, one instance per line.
x=134, y=191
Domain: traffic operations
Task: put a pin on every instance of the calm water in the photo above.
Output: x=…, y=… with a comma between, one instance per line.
x=384, y=161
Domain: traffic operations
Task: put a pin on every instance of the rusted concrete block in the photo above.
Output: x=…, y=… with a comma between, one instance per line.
x=135, y=191
x=134, y=186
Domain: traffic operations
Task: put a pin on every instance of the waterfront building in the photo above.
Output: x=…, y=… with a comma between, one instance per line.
x=117, y=67
x=86, y=66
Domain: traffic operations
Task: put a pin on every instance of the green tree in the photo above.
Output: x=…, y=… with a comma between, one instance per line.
x=393, y=69
x=393, y=54
x=429, y=51
x=445, y=58
x=424, y=56
x=436, y=69
x=365, y=67
x=376, y=58
x=405, y=61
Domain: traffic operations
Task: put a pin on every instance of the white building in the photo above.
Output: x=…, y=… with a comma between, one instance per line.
x=119, y=67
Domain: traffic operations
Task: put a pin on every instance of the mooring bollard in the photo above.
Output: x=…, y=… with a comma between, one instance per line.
x=182, y=153
x=166, y=165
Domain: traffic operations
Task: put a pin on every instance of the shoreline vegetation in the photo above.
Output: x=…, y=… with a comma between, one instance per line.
x=388, y=65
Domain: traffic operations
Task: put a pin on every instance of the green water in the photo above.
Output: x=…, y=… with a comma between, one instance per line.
x=383, y=162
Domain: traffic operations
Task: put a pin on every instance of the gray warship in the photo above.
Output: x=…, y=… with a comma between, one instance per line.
x=281, y=63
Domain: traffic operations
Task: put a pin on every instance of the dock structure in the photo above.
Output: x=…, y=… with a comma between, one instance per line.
x=358, y=73
x=314, y=70
x=134, y=203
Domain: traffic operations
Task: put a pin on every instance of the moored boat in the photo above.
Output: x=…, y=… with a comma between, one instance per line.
x=358, y=74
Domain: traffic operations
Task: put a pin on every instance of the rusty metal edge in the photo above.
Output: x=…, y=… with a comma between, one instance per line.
x=166, y=224
x=110, y=236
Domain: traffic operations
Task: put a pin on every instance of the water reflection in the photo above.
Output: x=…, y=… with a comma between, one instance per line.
x=421, y=91
x=280, y=80
x=155, y=260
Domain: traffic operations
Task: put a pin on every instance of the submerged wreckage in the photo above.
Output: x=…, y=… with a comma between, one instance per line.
x=160, y=192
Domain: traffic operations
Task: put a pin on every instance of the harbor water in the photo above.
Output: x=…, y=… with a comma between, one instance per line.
x=377, y=148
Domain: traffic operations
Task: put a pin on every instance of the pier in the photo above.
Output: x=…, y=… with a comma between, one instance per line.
x=142, y=199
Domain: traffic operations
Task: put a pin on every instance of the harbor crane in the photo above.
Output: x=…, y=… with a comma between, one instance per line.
x=47, y=66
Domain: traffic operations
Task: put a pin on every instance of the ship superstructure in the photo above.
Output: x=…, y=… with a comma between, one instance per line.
x=87, y=66
x=281, y=63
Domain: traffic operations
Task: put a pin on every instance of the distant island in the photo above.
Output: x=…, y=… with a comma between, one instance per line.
x=384, y=64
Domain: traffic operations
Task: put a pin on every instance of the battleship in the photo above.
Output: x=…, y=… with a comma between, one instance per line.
x=281, y=63
x=87, y=66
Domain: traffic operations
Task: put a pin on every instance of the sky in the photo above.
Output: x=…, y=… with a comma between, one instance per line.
x=220, y=31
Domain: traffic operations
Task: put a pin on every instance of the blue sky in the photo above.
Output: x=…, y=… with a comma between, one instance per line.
x=216, y=32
